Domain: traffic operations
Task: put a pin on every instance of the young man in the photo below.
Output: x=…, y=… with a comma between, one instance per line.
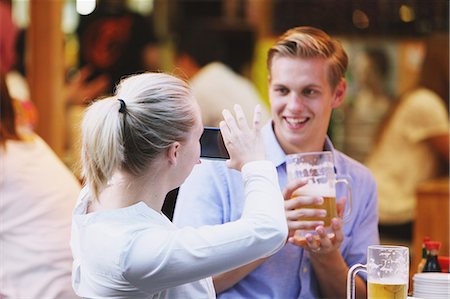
x=306, y=83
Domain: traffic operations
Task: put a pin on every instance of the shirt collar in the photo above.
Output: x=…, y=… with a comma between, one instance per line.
x=275, y=153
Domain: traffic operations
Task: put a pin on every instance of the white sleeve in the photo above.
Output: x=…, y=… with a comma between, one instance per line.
x=183, y=255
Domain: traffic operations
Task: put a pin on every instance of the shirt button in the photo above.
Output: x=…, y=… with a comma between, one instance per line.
x=305, y=269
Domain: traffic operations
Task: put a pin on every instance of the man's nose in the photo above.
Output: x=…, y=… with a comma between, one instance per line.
x=296, y=102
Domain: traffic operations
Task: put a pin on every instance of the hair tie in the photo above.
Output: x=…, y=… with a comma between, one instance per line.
x=123, y=107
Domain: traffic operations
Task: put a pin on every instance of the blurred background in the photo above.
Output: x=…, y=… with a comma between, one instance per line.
x=59, y=55
x=56, y=39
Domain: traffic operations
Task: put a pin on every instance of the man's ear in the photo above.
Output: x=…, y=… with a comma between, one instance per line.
x=173, y=152
x=339, y=94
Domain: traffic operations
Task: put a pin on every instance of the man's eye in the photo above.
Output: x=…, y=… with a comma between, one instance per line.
x=282, y=90
x=309, y=92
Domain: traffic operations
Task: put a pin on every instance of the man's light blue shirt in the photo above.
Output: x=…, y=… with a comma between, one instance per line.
x=214, y=194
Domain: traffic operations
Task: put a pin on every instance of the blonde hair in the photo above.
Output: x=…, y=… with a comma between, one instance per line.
x=309, y=42
x=157, y=110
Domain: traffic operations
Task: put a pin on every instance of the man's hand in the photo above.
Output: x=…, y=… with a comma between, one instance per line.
x=324, y=243
x=294, y=204
x=79, y=91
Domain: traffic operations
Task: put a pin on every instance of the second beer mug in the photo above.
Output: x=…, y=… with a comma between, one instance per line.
x=318, y=168
x=387, y=273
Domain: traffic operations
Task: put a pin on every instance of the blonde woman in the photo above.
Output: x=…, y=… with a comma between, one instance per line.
x=137, y=146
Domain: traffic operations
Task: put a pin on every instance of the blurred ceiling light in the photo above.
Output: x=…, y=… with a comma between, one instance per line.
x=20, y=13
x=360, y=19
x=70, y=17
x=406, y=13
x=85, y=7
x=143, y=7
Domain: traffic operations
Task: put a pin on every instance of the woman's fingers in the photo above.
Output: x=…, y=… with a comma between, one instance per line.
x=225, y=131
x=257, y=118
x=243, y=143
x=240, y=118
x=230, y=121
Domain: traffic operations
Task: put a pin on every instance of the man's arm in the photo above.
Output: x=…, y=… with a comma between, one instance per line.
x=440, y=144
x=226, y=280
x=331, y=271
x=330, y=267
x=199, y=203
x=326, y=259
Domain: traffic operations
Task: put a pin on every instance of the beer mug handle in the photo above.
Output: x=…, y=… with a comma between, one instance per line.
x=351, y=279
x=346, y=217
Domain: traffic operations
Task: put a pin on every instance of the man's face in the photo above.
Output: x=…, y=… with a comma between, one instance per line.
x=302, y=100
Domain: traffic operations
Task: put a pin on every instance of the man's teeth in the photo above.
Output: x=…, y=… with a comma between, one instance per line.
x=295, y=121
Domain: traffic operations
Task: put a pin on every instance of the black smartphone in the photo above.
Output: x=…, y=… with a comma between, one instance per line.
x=212, y=145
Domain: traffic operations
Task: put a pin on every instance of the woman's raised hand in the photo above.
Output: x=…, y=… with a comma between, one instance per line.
x=244, y=144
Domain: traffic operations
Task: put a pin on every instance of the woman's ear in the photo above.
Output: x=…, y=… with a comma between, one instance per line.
x=339, y=94
x=173, y=152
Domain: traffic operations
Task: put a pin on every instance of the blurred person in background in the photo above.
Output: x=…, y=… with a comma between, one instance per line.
x=206, y=55
x=79, y=89
x=306, y=82
x=12, y=67
x=116, y=42
x=370, y=104
x=8, y=36
x=37, y=195
x=413, y=143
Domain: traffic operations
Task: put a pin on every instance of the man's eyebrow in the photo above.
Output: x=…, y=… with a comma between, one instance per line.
x=278, y=84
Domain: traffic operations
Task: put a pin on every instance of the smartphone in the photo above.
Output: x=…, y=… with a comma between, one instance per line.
x=212, y=145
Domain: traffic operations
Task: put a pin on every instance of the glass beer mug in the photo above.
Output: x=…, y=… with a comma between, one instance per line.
x=318, y=168
x=387, y=273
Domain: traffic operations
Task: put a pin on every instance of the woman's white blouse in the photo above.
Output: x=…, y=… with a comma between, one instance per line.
x=137, y=252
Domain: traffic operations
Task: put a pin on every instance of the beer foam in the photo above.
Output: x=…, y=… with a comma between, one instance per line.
x=320, y=190
x=387, y=281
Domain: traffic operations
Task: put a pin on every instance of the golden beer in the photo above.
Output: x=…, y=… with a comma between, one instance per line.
x=329, y=205
x=387, y=291
x=317, y=168
x=329, y=202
